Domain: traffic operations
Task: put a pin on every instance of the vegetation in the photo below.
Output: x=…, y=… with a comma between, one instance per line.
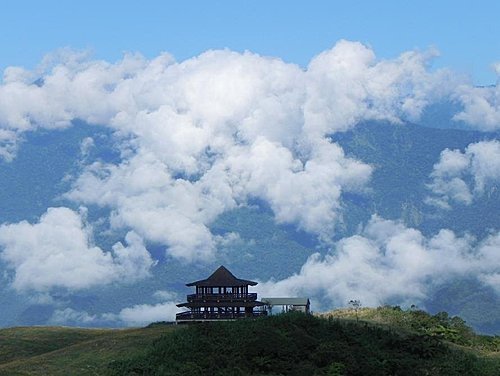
x=385, y=341
x=298, y=344
x=70, y=351
x=441, y=325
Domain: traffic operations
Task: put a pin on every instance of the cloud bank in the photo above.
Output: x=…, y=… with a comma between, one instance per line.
x=459, y=177
x=137, y=315
x=205, y=135
x=57, y=252
x=388, y=263
x=481, y=104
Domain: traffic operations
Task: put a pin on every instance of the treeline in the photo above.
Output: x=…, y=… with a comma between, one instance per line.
x=298, y=344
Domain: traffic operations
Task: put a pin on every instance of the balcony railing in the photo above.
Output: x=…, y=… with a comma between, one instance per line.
x=183, y=316
x=225, y=297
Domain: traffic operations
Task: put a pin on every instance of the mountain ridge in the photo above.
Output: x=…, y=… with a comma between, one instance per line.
x=402, y=155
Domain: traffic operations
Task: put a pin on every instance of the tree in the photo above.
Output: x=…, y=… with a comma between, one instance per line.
x=356, y=305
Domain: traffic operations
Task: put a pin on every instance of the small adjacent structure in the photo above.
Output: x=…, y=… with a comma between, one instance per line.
x=221, y=296
x=281, y=305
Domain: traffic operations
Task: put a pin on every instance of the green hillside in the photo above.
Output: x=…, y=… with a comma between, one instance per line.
x=403, y=157
x=382, y=341
x=452, y=329
x=70, y=351
x=298, y=344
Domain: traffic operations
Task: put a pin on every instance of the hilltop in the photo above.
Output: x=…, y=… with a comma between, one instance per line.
x=379, y=341
x=451, y=329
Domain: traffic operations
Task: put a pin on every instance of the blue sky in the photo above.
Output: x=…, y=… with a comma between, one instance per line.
x=198, y=140
x=465, y=32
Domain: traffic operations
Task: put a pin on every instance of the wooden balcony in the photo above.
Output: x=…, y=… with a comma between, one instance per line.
x=221, y=297
x=208, y=316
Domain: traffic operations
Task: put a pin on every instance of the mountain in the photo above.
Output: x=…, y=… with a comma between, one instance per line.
x=402, y=157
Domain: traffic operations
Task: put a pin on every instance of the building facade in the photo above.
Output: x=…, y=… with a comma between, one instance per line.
x=221, y=296
x=282, y=305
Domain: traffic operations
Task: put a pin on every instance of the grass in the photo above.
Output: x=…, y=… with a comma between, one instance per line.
x=298, y=344
x=376, y=341
x=70, y=351
x=449, y=328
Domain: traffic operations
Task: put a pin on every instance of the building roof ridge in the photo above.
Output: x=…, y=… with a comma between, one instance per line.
x=222, y=277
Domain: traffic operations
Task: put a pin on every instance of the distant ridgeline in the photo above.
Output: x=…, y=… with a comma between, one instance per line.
x=403, y=157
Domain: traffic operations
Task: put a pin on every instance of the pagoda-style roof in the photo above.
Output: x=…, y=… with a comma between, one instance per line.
x=220, y=278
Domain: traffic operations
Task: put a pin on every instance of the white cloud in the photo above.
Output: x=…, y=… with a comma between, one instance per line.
x=162, y=209
x=490, y=251
x=86, y=145
x=481, y=105
x=347, y=84
x=220, y=128
x=164, y=295
x=8, y=144
x=308, y=194
x=68, y=87
x=265, y=96
x=496, y=68
x=143, y=314
x=137, y=315
x=389, y=262
x=461, y=176
x=57, y=252
x=202, y=136
x=70, y=316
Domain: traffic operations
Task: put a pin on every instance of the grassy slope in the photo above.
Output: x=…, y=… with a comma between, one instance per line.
x=70, y=351
x=296, y=344
x=453, y=330
x=385, y=341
